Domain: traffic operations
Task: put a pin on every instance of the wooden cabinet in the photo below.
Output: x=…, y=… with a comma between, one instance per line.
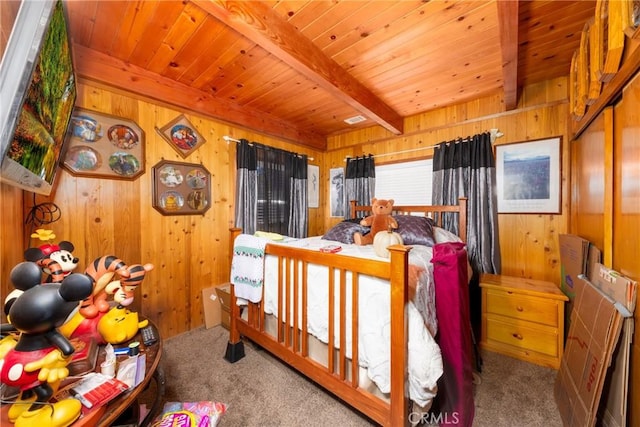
x=523, y=318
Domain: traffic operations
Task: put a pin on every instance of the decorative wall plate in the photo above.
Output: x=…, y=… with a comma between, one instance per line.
x=182, y=136
x=103, y=146
x=181, y=188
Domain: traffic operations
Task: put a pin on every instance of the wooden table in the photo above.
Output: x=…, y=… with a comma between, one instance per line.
x=105, y=415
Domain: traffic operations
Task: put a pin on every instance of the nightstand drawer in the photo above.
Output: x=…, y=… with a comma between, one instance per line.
x=522, y=336
x=529, y=308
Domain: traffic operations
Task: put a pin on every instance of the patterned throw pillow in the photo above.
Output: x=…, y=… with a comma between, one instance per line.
x=415, y=230
x=343, y=231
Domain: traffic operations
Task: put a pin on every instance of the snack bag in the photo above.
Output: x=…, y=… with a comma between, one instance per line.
x=190, y=414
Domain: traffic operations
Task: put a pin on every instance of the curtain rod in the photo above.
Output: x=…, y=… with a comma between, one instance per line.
x=495, y=134
x=230, y=139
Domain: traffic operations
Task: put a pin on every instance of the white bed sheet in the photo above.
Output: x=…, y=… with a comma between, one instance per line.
x=424, y=358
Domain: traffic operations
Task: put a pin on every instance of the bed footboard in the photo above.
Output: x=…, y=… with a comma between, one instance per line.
x=292, y=346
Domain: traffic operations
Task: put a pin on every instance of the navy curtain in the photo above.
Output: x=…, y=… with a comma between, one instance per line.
x=466, y=168
x=299, y=199
x=271, y=190
x=360, y=181
x=246, y=187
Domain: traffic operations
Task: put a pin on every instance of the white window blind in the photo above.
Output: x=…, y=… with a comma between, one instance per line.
x=407, y=183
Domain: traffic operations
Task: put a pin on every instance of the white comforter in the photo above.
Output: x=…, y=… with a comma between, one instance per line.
x=425, y=362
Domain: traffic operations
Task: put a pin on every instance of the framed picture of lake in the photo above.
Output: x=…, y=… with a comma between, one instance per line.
x=528, y=176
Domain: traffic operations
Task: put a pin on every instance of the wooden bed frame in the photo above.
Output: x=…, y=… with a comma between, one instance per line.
x=293, y=348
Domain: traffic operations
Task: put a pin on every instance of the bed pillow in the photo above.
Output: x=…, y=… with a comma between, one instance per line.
x=415, y=230
x=343, y=231
x=441, y=235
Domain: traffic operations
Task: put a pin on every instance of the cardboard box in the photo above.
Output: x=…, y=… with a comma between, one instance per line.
x=615, y=395
x=596, y=325
x=573, y=259
x=577, y=256
x=211, y=307
x=224, y=295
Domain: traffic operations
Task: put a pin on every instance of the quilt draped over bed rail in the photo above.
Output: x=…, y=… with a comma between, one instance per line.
x=247, y=267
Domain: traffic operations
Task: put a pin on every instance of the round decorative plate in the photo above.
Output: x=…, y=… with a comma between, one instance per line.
x=86, y=128
x=171, y=200
x=124, y=164
x=183, y=137
x=196, y=179
x=123, y=137
x=83, y=158
x=197, y=200
x=170, y=176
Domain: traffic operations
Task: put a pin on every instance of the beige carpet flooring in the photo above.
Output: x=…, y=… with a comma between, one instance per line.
x=261, y=391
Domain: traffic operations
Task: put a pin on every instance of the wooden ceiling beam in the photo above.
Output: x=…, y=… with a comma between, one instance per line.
x=259, y=22
x=508, y=27
x=96, y=66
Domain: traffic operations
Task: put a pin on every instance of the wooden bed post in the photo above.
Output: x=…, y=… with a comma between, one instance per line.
x=462, y=218
x=399, y=334
x=235, y=346
x=352, y=208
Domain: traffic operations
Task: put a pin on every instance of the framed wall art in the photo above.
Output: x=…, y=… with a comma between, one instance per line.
x=104, y=146
x=181, y=188
x=528, y=177
x=313, y=185
x=182, y=136
x=336, y=185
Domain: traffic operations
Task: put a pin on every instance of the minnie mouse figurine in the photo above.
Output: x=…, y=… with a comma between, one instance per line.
x=57, y=261
x=37, y=363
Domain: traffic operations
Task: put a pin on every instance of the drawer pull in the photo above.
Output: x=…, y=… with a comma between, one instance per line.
x=517, y=336
x=520, y=309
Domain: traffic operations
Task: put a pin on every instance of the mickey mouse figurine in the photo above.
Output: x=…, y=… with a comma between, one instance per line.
x=38, y=361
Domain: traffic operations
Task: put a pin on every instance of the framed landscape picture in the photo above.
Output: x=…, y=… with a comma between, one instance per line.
x=181, y=188
x=528, y=176
x=104, y=146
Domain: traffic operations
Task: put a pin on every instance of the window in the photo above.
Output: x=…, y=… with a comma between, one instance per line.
x=273, y=191
x=407, y=183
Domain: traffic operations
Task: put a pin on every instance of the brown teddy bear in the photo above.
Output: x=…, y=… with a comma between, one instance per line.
x=381, y=220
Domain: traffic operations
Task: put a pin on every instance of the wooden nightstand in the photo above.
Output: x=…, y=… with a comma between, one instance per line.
x=523, y=318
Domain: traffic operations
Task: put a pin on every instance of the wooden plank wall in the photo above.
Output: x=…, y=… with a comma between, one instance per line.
x=12, y=241
x=529, y=243
x=191, y=252
x=625, y=199
x=103, y=216
x=606, y=199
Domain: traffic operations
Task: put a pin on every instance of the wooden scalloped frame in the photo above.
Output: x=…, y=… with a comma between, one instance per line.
x=595, y=58
x=616, y=13
x=579, y=77
x=632, y=28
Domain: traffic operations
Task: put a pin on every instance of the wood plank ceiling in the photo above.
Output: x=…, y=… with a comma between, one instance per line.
x=297, y=69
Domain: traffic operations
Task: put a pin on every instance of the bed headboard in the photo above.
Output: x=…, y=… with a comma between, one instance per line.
x=432, y=212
